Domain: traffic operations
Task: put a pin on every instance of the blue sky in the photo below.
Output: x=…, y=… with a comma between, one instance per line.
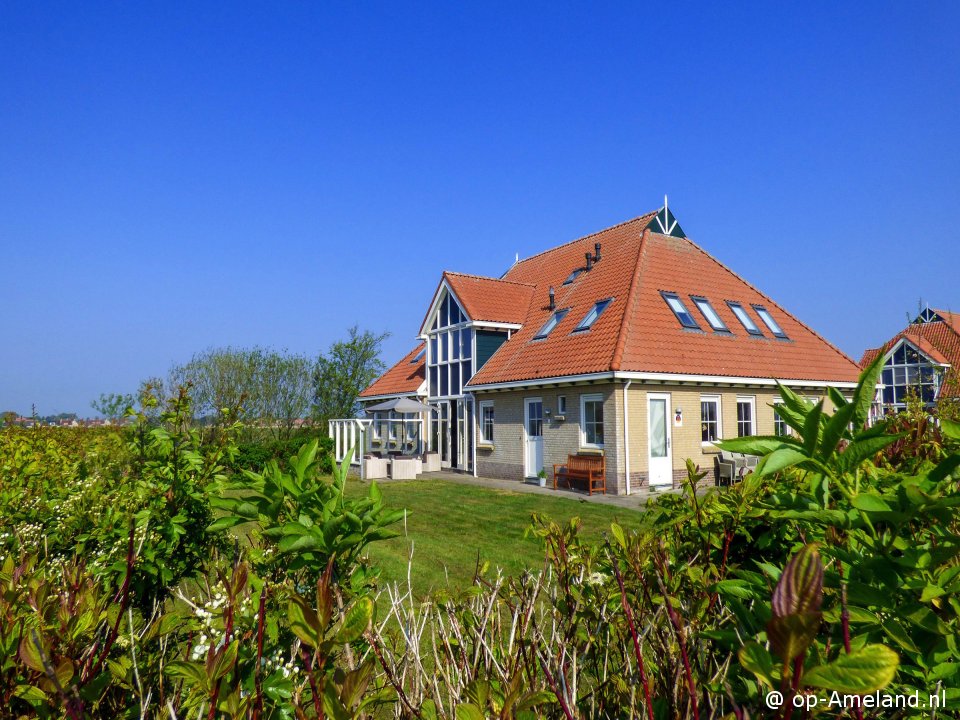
x=176, y=176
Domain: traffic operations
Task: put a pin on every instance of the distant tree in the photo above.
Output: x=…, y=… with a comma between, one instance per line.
x=8, y=418
x=273, y=388
x=341, y=374
x=112, y=406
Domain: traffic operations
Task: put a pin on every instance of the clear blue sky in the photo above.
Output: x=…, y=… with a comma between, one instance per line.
x=176, y=176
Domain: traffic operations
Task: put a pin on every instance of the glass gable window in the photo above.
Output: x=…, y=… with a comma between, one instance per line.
x=745, y=416
x=709, y=418
x=592, y=316
x=551, y=324
x=908, y=372
x=769, y=321
x=749, y=325
x=486, y=421
x=710, y=314
x=680, y=310
x=591, y=423
x=450, y=358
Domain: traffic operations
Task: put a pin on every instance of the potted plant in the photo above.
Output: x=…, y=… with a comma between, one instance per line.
x=542, y=477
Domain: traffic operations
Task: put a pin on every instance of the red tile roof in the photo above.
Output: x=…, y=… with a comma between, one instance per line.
x=940, y=341
x=404, y=378
x=490, y=299
x=638, y=331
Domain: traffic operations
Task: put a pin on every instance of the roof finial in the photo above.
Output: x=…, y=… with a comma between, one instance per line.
x=666, y=212
x=516, y=258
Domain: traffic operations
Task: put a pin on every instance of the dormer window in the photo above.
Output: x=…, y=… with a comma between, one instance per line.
x=551, y=324
x=592, y=316
x=748, y=324
x=769, y=321
x=710, y=314
x=680, y=310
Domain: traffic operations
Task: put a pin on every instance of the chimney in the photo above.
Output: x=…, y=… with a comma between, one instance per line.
x=553, y=304
x=596, y=252
x=589, y=261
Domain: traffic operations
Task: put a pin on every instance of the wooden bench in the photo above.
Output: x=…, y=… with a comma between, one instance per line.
x=592, y=468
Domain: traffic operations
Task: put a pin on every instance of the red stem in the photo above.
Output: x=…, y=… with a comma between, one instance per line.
x=636, y=641
x=678, y=630
x=556, y=690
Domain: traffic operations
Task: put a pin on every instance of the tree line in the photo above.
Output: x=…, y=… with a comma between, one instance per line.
x=272, y=388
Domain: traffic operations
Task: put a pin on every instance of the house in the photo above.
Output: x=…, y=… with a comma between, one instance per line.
x=921, y=359
x=632, y=342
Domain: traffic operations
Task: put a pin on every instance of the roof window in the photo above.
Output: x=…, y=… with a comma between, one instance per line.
x=419, y=355
x=746, y=320
x=680, y=310
x=572, y=276
x=710, y=314
x=769, y=321
x=551, y=324
x=592, y=316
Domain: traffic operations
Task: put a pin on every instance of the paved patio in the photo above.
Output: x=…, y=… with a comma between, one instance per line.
x=635, y=501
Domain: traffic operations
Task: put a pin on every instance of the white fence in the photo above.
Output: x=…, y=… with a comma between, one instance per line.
x=350, y=434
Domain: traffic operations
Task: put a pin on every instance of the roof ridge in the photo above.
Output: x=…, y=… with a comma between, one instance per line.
x=486, y=277
x=618, y=349
x=770, y=300
x=575, y=240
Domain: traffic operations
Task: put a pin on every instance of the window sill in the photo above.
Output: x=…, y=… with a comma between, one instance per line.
x=484, y=445
x=709, y=448
x=591, y=449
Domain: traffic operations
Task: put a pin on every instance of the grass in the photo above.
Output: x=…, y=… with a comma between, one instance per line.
x=451, y=524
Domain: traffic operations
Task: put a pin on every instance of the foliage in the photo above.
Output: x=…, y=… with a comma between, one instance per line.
x=272, y=387
x=254, y=454
x=348, y=367
x=113, y=406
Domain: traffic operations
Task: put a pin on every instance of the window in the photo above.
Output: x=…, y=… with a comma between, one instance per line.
x=486, y=421
x=746, y=320
x=746, y=416
x=710, y=314
x=780, y=428
x=769, y=321
x=680, y=310
x=709, y=418
x=592, y=316
x=572, y=276
x=419, y=356
x=561, y=404
x=450, y=357
x=591, y=424
x=908, y=372
x=551, y=324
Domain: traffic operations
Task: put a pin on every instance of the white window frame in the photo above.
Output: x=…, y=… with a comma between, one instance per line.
x=787, y=429
x=561, y=404
x=484, y=404
x=715, y=399
x=584, y=399
x=752, y=401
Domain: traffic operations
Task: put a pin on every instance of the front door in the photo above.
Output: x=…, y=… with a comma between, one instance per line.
x=533, y=425
x=660, y=461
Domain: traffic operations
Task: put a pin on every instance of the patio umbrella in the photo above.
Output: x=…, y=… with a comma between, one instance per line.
x=400, y=405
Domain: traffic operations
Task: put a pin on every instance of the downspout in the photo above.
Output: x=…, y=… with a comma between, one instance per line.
x=626, y=433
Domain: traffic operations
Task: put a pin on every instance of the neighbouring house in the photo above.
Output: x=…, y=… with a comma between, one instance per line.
x=633, y=343
x=920, y=359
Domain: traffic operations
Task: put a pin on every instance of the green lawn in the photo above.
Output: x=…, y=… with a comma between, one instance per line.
x=449, y=524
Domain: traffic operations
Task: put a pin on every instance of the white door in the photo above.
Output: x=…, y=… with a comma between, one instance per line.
x=533, y=430
x=660, y=461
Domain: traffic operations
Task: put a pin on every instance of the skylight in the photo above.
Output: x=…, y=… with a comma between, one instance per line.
x=551, y=324
x=680, y=310
x=572, y=276
x=709, y=313
x=419, y=355
x=769, y=321
x=592, y=316
x=746, y=320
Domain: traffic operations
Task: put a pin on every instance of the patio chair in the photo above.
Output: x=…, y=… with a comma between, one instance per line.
x=726, y=468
